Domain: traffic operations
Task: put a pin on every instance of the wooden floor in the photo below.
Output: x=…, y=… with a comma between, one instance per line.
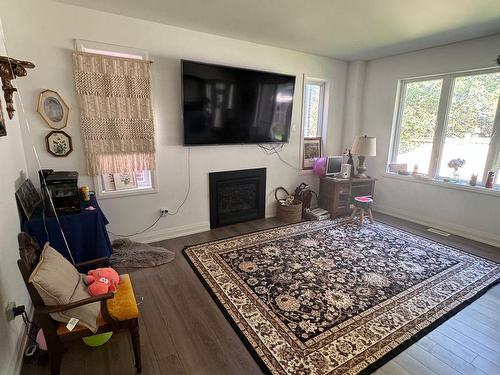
x=184, y=332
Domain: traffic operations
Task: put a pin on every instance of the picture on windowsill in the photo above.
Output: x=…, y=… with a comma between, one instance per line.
x=108, y=182
x=312, y=151
x=125, y=181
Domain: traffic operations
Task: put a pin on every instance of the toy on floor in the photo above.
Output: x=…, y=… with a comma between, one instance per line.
x=101, y=281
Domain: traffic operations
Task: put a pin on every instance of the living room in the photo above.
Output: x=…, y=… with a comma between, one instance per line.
x=364, y=77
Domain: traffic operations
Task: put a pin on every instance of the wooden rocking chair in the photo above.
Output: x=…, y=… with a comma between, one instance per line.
x=118, y=311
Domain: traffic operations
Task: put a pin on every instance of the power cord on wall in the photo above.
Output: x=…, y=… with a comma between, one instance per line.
x=168, y=213
x=188, y=187
x=275, y=149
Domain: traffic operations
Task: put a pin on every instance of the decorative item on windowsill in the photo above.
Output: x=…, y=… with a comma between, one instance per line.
x=289, y=208
x=489, y=180
x=363, y=146
x=11, y=69
x=456, y=164
x=312, y=151
x=473, y=180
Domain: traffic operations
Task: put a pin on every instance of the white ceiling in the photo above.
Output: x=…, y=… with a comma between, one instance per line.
x=344, y=29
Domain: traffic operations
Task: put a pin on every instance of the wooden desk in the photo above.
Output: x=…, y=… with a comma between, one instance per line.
x=335, y=194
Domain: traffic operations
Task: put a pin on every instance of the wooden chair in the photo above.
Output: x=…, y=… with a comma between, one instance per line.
x=118, y=311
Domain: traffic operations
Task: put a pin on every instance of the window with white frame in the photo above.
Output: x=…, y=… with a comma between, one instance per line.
x=119, y=184
x=313, y=108
x=449, y=120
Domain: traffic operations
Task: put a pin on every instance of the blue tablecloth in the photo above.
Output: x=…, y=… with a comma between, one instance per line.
x=85, y=232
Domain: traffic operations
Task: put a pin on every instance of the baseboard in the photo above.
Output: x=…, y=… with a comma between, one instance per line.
x=166, y=233
x=459, y=230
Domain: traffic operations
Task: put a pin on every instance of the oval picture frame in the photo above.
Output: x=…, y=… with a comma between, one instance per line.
x=53, y=109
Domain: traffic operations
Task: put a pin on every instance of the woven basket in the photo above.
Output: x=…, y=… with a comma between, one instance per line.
x=288, y=213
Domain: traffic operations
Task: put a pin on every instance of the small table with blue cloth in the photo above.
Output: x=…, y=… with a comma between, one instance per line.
x=85, y=232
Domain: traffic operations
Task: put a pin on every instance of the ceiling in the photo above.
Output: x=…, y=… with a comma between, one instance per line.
x=343, y=29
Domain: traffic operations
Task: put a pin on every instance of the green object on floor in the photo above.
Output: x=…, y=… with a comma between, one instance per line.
x=97, y=340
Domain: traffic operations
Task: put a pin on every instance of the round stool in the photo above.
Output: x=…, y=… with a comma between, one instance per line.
x=361, y=204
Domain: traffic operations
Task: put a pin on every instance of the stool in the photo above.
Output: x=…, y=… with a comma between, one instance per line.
x=362, y=203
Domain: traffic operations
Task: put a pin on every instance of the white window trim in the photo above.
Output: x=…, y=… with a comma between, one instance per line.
x=325, y=100
x=102, y=194
x=442, y=121
x=121, y=51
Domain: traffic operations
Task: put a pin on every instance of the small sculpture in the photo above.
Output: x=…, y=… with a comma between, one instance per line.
x=473, y=180
x=11, y=69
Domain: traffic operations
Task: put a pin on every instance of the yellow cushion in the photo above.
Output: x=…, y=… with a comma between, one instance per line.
x=123, y=305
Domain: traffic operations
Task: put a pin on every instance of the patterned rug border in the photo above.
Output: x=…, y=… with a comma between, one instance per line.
x=382, y=360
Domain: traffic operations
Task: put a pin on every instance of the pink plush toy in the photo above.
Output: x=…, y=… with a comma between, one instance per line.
x=102, y=281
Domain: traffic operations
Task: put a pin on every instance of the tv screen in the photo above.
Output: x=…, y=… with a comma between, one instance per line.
x=225, y=105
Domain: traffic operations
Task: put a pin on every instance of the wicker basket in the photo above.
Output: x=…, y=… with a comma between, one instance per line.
x=288, y=213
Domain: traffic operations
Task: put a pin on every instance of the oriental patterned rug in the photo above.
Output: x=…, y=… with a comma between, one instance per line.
x=327, y=298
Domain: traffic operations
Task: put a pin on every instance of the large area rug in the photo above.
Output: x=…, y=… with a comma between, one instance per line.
x=328, y=298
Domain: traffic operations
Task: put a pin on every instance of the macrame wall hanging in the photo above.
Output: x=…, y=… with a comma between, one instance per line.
x=116, y=118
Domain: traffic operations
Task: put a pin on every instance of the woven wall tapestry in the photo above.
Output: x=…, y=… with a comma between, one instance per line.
x=116, y=118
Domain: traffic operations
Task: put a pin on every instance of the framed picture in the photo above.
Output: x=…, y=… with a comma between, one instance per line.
x=124, y=181
x=312, y=151
x=108, y=182
x=28, y=198
x=3, y=128
x=53, y=109
x=58, y=143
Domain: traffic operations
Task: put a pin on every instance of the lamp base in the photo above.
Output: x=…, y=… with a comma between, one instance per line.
x=361, y=167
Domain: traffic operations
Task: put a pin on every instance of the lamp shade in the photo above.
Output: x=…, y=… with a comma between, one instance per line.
x=365, y=146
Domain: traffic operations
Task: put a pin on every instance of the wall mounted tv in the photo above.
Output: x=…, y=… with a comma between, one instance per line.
x=226, y=105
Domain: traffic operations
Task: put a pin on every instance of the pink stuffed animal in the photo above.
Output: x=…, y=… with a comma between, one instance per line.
x=102, y=281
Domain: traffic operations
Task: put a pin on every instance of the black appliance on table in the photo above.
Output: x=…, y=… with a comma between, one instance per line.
x=63, y=188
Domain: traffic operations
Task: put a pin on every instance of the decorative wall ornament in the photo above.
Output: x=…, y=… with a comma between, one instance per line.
x=59, y=143
x=9, y=70
x=116, y=118
x=3, y=128
x=53, y=109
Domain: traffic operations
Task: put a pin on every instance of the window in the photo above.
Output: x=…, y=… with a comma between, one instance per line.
x=119, y=184
x=447, y=117
x=313, y=107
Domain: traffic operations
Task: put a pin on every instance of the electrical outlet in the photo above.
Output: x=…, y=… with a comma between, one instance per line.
x=9, y=310
x=163, y=211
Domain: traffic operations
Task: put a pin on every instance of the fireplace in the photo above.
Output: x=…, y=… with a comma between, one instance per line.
x=237, y=196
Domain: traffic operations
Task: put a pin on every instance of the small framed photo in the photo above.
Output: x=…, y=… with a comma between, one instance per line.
x=58, y=143
x=312, y=151
x=53, y=109
x=125, y=181
x=108, y=182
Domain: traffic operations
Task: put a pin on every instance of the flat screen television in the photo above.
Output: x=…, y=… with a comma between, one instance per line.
x=226, y=105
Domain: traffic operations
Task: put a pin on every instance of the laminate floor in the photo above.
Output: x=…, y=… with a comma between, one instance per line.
x=184, y=332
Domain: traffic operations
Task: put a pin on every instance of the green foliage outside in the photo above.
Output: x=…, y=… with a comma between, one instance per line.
x=472, y=111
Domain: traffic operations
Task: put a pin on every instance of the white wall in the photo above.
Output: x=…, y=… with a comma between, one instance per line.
x=13, y=167
x=463, y=212
x=46, y=38
x=354, y=95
